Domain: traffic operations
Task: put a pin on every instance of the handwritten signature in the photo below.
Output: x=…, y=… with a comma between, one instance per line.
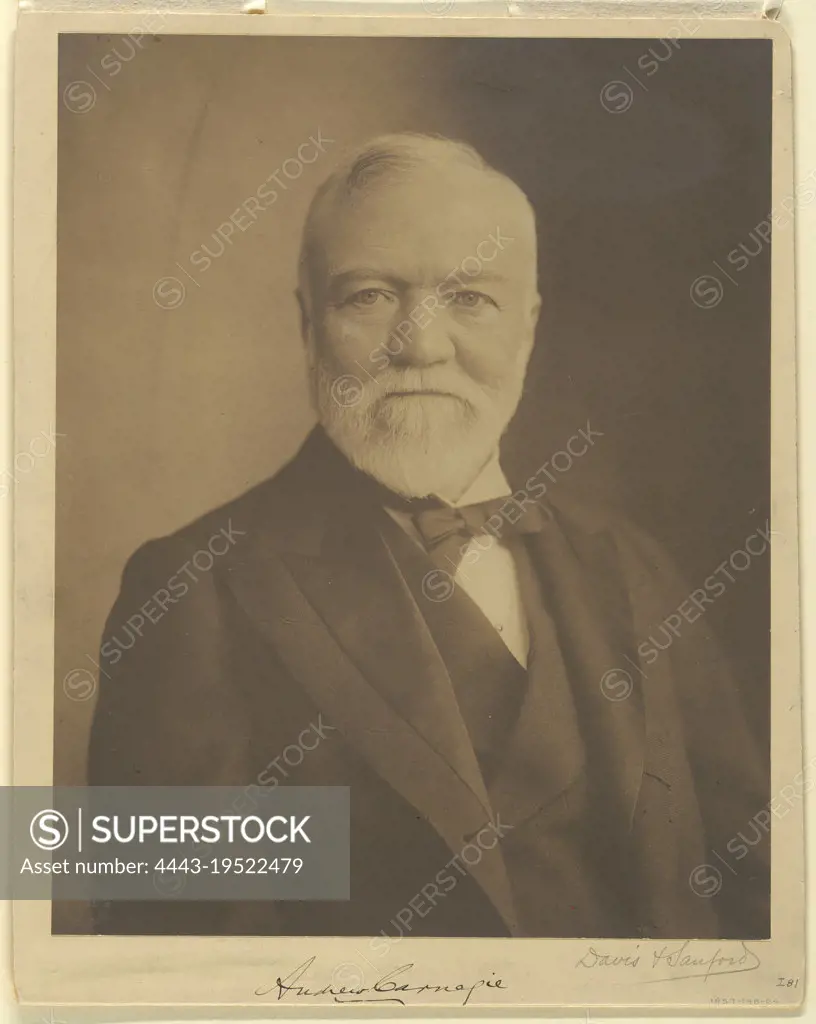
x=683, y=961
x=390, y=988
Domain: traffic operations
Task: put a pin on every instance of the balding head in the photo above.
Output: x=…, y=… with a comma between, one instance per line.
x=418, y=276
x=434, y=172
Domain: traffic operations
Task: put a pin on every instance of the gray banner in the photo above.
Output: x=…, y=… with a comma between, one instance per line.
x=166, y=843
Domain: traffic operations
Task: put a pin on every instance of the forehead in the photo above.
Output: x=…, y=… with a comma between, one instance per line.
x=428, y=224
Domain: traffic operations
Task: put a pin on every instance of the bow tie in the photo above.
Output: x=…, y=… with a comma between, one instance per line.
x=446, y=531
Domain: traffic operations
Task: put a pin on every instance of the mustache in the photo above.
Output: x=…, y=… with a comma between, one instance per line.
x=422, y=382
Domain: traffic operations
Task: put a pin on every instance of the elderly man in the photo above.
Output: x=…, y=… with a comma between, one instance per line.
x=466, y=649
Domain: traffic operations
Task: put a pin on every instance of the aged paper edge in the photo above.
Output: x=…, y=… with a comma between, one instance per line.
x=198, y=971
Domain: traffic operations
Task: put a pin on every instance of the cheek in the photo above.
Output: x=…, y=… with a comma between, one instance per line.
x=495, y=354
x=347, y=341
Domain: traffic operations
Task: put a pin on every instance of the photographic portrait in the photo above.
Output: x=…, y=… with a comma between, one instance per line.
x=414, y=436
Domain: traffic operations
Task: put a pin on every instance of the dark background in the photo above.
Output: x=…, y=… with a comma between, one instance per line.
x=168, y=412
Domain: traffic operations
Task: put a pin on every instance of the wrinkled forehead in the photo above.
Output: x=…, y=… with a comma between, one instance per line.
x=425, y=225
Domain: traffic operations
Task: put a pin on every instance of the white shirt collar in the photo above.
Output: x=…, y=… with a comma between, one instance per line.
x=490, y=483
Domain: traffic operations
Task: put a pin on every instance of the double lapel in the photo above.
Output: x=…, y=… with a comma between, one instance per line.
x=324, y=589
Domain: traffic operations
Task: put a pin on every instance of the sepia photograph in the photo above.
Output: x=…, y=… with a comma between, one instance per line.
x=413, y=436
x=470, y=642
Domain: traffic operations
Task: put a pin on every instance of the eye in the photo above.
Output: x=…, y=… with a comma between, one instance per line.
x=472, y=300
x=369, y=297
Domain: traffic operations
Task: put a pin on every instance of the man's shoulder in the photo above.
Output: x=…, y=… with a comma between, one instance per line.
x=593, y=518
x=605, y=528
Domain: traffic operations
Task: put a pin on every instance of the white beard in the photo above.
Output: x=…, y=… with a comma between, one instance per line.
x=418, y=445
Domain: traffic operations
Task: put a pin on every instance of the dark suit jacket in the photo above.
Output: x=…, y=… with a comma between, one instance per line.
x=304, y=621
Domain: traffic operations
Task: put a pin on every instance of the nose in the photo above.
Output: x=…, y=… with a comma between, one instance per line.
x=424, y=337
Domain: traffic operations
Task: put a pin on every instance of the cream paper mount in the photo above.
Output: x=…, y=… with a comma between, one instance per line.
x=134, y=114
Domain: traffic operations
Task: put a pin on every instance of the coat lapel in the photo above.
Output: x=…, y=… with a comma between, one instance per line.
x=583, y=590
x=358, y=592
x=325, y=591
